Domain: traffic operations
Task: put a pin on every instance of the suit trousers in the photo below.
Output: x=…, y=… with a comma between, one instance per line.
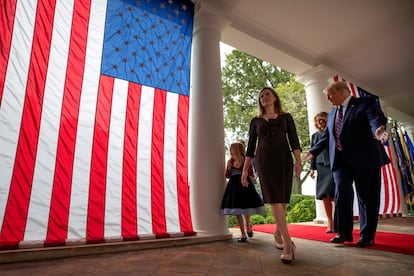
x=368, y=188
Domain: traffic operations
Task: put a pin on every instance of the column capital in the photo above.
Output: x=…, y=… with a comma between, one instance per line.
x=204, y=19
x=320, y=73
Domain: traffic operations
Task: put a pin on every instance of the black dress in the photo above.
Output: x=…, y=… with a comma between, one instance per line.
x=239, y=200
x=325, y=186
x=276, y=139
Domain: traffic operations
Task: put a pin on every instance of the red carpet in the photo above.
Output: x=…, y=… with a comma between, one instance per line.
x=394, y=242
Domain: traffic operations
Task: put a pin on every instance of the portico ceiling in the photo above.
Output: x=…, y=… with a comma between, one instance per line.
x=369, y=42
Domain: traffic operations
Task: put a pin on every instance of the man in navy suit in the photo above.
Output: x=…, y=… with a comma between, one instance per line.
x=356, y=133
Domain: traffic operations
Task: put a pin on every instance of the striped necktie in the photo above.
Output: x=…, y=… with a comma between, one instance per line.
x=338, y=124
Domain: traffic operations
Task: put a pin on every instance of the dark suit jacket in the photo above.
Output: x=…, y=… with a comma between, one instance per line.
x=360, y=148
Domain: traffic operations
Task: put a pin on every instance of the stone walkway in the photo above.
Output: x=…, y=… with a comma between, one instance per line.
x=258, y=256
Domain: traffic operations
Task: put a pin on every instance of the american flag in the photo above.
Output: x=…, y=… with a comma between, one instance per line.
x=390, y=189
x=94, y=100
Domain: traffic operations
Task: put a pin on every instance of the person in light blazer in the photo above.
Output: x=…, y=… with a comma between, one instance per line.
x=356, y=154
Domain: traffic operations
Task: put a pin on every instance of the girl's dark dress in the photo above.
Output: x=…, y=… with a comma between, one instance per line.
x=239, y=200
x=276, y=139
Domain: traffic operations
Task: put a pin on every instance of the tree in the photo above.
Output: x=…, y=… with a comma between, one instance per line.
x=242, y=78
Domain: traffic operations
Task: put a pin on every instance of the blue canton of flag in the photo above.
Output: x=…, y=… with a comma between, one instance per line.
x=149, y=42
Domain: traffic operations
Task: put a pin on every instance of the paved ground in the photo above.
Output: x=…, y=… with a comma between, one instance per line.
x=256, y=257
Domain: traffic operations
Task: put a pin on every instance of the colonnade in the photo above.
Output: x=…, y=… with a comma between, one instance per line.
x=207, y=160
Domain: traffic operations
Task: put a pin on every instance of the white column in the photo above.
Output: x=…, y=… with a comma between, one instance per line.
x=315, y=80
x=207, y=181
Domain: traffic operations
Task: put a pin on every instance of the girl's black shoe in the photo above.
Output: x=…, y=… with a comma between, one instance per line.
x=242, y=239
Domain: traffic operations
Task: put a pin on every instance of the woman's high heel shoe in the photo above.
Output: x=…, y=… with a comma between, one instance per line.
x=288, y=258
x=250, y=234
x=277, y=239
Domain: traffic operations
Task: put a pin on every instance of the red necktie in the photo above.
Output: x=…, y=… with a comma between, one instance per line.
x=338, y=124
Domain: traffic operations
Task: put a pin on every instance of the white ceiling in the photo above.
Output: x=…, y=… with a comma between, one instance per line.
x=369, y=42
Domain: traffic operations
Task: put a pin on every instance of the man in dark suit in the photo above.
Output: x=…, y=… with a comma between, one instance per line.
x=356, y=133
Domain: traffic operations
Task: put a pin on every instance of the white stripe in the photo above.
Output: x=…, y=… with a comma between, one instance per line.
x=170, y=166
x=38, y=213
x=113, y=201
x=83, y=149
x=144, y=161
x=14, y=93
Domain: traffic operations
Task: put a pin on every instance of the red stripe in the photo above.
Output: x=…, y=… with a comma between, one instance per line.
x=129, y=172
x=7, y=13
x=60, y=201
x=393, y=183
x=97, y=187
x=182, y=165
x=352, y=89
x=157, y=163
x=17, y=205
x=386, y=189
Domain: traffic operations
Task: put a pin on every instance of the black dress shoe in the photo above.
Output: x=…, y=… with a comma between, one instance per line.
x=342, y=238
x=243, y=239
x=365, y=242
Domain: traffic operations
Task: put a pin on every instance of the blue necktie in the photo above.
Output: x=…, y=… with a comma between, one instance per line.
x=338, y=124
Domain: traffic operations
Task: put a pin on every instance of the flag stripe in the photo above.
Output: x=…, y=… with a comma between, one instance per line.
x=144, y=161
x=113, y=196
x=87, y=110
x=7, y=12
x=129, y=179
x=16, y=212
x=13, y=99
x=60, y=201
x=157, y=164
x=96, y=202
x=170, y=165
x=40, y=200
x=182, y=164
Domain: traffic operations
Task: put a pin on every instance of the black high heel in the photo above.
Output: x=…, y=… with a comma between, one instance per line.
x=242, y=239
x=250, y=234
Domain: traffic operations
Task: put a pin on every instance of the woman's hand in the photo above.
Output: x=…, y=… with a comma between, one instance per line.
x=244, y=181
x=297, y=169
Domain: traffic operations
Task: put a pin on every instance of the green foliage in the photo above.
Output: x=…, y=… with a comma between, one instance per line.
x=296, y=198
x=257, y=219
x=301, y=208
x=304, y=210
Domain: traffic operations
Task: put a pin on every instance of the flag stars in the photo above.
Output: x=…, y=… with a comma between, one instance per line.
x=141, y=65
x=149, y=76
x=120, y=14
x=117, y=49
x=115, y=66
x=132, y=71
x=124, y=60
x=126, y=42
x=134, y=54
x=118, y=32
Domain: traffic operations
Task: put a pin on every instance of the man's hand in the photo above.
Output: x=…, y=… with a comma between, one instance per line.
x=381, y=134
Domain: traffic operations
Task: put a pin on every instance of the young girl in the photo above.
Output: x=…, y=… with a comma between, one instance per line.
x=239, y=200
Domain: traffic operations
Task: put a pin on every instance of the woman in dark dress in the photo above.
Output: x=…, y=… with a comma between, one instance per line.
x=272, y=139
x=325, y=186
x=238, y=200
